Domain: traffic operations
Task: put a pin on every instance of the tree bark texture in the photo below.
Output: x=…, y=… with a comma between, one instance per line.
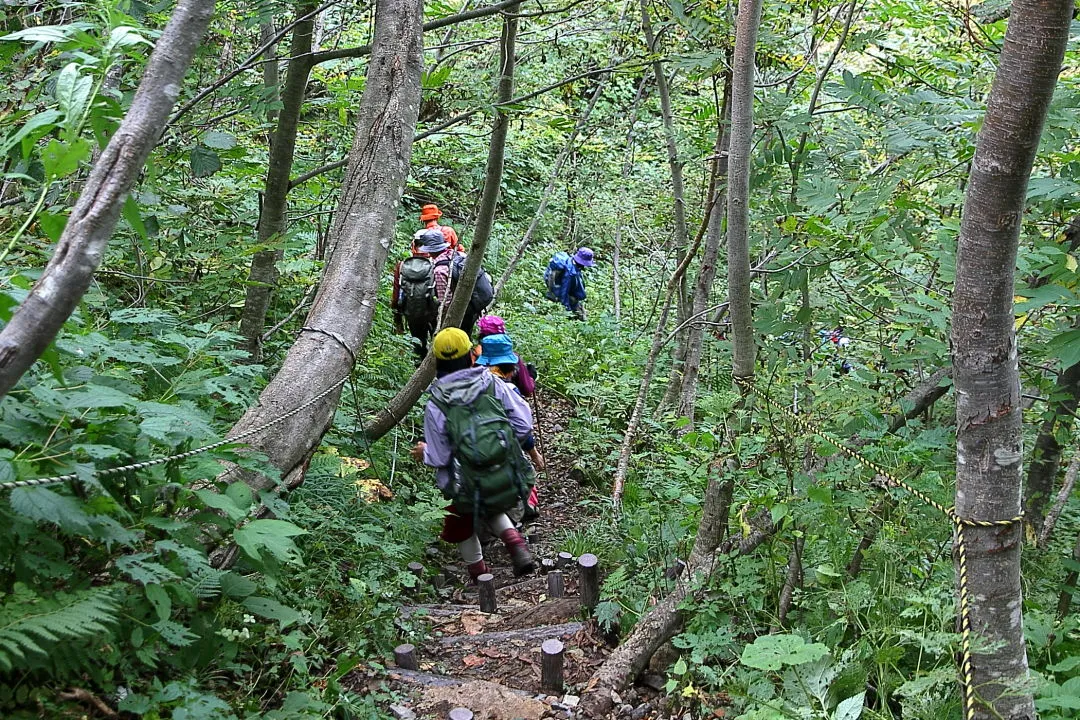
x=80, y=249
x=744, y=347
x=363, y=229
x=695, y=332
x=988, y=414
x=263, y=274
x=400, y=404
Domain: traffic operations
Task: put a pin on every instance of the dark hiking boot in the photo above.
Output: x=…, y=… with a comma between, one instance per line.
x=531, y=514
x=520, y=556
x=477, y=569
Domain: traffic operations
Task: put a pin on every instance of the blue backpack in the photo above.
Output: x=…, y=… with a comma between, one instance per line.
x=553, y=275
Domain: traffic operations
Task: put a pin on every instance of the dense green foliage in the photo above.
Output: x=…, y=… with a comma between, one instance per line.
x=111, y=583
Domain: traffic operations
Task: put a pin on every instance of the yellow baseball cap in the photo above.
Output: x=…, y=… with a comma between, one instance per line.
x=451, y=344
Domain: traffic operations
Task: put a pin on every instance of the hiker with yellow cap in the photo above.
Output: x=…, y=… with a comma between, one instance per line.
x=477, y=431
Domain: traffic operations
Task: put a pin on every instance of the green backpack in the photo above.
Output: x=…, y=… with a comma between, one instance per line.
x=489, y=473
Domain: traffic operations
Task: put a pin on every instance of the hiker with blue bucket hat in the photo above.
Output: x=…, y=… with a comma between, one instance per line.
x=565, y=280
x=497, y=354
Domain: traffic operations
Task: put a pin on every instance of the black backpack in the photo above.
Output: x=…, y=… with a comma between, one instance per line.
x=418, y=301
x=483, y=291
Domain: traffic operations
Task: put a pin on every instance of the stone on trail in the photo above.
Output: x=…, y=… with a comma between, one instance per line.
x=487, y=700
x=402, y=713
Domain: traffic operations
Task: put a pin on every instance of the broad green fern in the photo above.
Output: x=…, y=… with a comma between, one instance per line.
x=31, y=624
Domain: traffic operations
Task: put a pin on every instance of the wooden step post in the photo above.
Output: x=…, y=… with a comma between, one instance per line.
x=589, y=582
x=461, y=714
x=405, y=657
x=563, y=560
x=486, y=585
x=555, y=584
x=551, y=666
x=416, y=569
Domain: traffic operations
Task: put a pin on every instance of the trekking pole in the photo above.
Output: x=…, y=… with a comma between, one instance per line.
x=536, y=414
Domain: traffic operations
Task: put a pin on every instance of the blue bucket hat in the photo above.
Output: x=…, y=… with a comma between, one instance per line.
x=430, y=241
x=584, y=257
x=497, y=350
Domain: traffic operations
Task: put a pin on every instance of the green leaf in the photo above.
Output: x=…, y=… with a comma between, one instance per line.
x=33, y=128
x=224, y=503
x=49, y=33
x=680, y=667
x=272, y=610
x=61, y=159
x=241, y=494
x=219, y=140
x=98, y=396
x=142, y=570
x=204, y=162
x=174, y=633
x=73, y=94
x=851, y=708
x=159, y=598
x=1066, y=348
x=772, y=652
x=131, y=213
x=43, y=505
x=237, y=586
x=272, y=536
x=1069, y=663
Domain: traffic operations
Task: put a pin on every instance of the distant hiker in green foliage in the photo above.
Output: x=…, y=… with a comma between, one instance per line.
x=565, y=280
x=476, y=431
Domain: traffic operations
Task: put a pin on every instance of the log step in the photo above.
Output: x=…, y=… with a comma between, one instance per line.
x=535, y=635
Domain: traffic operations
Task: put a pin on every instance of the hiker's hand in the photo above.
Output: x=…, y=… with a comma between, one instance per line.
x=418, y=451
x=537, y=459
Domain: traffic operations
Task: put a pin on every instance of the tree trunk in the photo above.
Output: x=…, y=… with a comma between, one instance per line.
x=676, y=168
x=270, y=68
x=263, y=274
x=363, y=230
x=400, y=404
x=1046, y=457
x=695, y=332
x=526, y=239
x=82, y=245
x=988, y=414
x=744, y=347
x=624, y=176
x=626, y=449
x=665, y=618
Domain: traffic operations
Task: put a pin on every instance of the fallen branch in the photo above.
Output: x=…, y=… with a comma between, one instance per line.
x=921, y=398
x=1059, y=503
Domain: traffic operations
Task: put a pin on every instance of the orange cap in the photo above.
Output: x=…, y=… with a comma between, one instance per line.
x=430, y=212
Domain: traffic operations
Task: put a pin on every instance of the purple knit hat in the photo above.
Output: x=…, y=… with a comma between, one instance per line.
x=491, y=325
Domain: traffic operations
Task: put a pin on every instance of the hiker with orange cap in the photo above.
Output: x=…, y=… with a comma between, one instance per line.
x=429, y=215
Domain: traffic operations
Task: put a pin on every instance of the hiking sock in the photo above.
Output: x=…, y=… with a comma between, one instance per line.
x=477, y=569
x=473, y=556
x=500, y=523
x=520, y=556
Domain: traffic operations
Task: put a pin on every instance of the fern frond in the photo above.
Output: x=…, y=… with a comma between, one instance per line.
x=31, y=624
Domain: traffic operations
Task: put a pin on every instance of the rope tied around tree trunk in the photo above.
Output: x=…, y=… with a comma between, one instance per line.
x=959, y=524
